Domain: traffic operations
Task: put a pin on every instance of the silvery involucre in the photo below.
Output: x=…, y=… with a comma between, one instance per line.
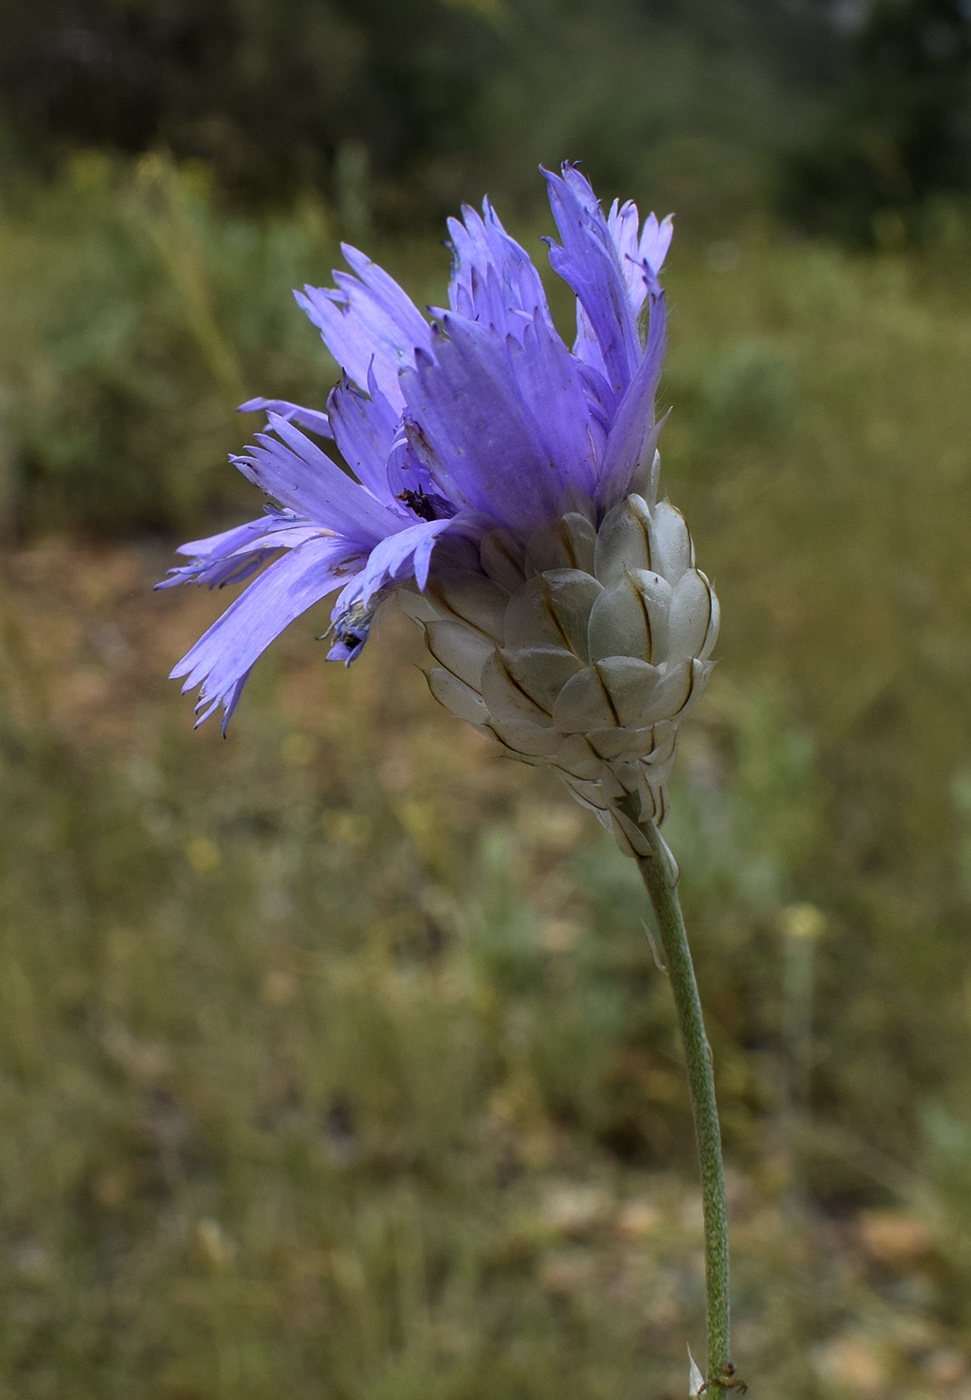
x=582, y=650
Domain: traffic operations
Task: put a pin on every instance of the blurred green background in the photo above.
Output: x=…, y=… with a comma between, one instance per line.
x=335, y=1062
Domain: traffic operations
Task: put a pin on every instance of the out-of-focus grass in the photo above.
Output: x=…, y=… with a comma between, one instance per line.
x=127, y=340
x=335, y=1061
x=136, y=317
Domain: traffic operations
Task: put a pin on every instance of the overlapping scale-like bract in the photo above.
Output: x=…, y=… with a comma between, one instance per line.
x=583, y=650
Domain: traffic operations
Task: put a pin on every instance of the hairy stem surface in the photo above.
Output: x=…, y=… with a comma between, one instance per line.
x=657, y=876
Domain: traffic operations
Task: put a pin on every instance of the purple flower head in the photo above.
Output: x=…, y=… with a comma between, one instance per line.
x=479, y=419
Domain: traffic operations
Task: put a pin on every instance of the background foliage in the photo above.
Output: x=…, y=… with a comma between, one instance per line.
x=402, y=109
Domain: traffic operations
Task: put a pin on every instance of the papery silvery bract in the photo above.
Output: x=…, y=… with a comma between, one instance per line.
x=504, y=487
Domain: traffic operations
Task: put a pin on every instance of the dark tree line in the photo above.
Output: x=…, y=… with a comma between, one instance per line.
x=899, y=128
x=397, y=108
x=270, y=93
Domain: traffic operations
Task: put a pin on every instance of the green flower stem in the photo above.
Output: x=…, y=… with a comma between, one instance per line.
x=656, y=873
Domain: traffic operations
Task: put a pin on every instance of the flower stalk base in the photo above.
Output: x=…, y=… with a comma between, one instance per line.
x=656, y=871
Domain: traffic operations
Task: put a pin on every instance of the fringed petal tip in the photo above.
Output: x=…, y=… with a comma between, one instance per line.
x=222, y=658
x=206, y=706
x=310, y=418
